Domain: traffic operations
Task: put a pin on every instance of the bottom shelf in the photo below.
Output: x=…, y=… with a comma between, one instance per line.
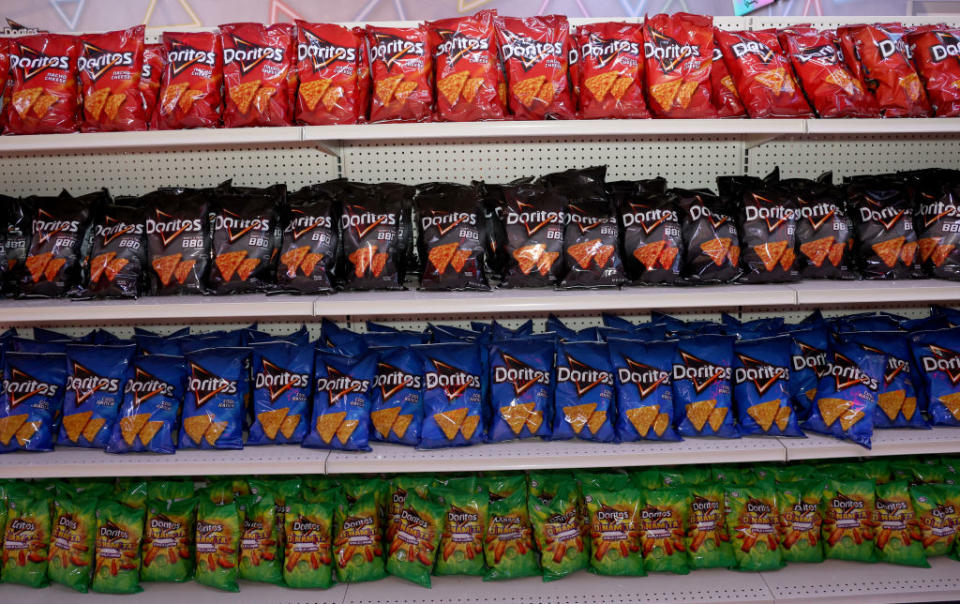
x=832, y=581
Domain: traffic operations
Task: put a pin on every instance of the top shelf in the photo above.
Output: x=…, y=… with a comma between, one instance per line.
x=324, y=135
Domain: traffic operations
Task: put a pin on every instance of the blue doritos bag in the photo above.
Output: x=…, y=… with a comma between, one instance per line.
x=153, y=344
x=393, y=339
x=521, y=388
x=617, y=322
x=282, y=375
x=341, y=401
x=342, y=341
x=442, y=334
x=397, y=397
x=48, y=335
x=937, y=355
x=213, y=339
x=761, y=387
x=380, y=328
x=870, y=321
x=179, y=333
x=584, y=397
x=749, y=330
x=642, y=374
x=152, y=396
x=30, y=401
x=702, y=388
x=217, y=392
x=94, y=391
x=555, y=325
x=925, y=323
x=28, y=346
x=897, y=397
x=453, y=413
x=808, y=361
x=847, y=393
x=301, y=337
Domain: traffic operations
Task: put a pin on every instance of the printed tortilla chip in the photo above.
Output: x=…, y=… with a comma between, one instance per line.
x=361, y=259
x=212, y=435
x=452, y=85
x=150, y=430
x=927, y=245
x=74, y=424
x=661, y=424
x=907, y=252
x=384, y=89
x=271, y=421
x=312, y=91
x=733, y=255
x=440, y=256
x=526, y=90
x=600, y=84
x=383, y=419
x=469, y=426
x=330, y=99
x=716, y=417
x=891, y=402
x=196, y=426
x=44, y=103
x=940, y=254
x=131, y=425
x=98, y=264
x=911, y=86
x=716, y=248
x=727, y=82
x=787, y=259
x=528, y=256
x=36, y=265
x=187, y=99
x=783, y=417
x=817, y=250
x=114, y=267
x=642, y=418
x=582, y=253
x=470, y=89
x=546, y=261
x=649, y=254
x=93, y=427
x=292, y=259
x=772, y=79
x=603, y=254
x=578, y=415
x=516, y=415
x=459, y=260
x=309, y=263
x=547, y=92
x=247, y=267
x=404, y=90
x=401, y=424
x=667, y=256
x=53, y=268
x=378, y=263
x=93, y=104
x=685, y=93
x=171, y=96
x=889, y=251
x=26, y=432
x=831, y=409
x=183, y=270
x=769, y=253
x=113, y=105
x=664, y=93
x=242, y=95
x=850, y=417
x=909, y=407
x=502, y=93
x=699, y=412
x=346, y=429
x=23, y=100
x=450, y=421
x=620, y=87
x=534, y=421
x=597, y=418
x=289, y=425
x=164, y=267
x=765, y=413
x=261, y=100
x=328, y=424
x=836, y=254
x=952, y=403
x=228, y=263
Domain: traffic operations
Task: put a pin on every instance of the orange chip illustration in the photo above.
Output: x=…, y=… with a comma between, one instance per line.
x=44, y=103
x=649, y=254
x=620, y=87
x=261, y=101
x=667, y=256
x=186, y=101
x=526, y=90
x=228, y=263
x=404, y=89
x=378, y=262
x=441, y=255
x=546, y=261
x=361, y=259
x=171, y=96
x=769, y=253
x=451, y=86
x=940, y=254
x=242, y=95
x=24, y=100
x=685, y=93
x=603, y=255
x=247, y=267
x=98, y=264
x=93, y=104
x=384, y=89
x=665, y=92
x=836, y=254
x=331, y=97
x=547, y=92
x=459, y=260
x=907, y=252
x=164, y=267
x=53, y=268
x=292, y=259
x=734, y=255
x=927, y=246
x=309, y=263
x=183, y=270
x=817, y=250
x=889, y=251
x=470, y=89
x=114, y=267
x=717, y=249
x=113, y=105
x=582, y=253
x=787, y=259
x=528, y=256
x=313, y=91
x=772, y=79
x=600, y=84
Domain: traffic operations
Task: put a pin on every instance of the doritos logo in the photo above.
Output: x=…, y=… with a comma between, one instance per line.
x=170, y=227
x=323, y=54
x=338, y=385
x=277, y=380
x=826, y=54
x=45, y=229
x=236, y=227
x=771, y=212
x=699, y=210
x=518, y=374
x=887, y=217
x=205, y=385
x=945, y=361
x=947, y=48
x=392, y=380
x=113, y=228
x=21, y=387
x=895, y=366
x=644, y=377
x=584, y=220
x=762, y=375
x=31, y=62
x=847, y=374
x=456, y=45
x=532, y=219
x=453, y=381
x=96, y=61
x=604, y=51
x=390, y=49
x=669, y=53
x=144, y=386
x=817, y=213
x=301, y=223
x=583, y=377
x=751, y=47
x=648, y=219
x=363, y=221
x=445, y=222
x=933, y=212
x=529, y=52
x=249, y=55
x=182, y=56
x=810, y=358
x=84, y=383
x=699, y=372
x=112, y=533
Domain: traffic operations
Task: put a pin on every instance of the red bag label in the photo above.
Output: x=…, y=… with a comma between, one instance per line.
x=884, y=57
x=150, y=74
x=256, y=64
x=44, y=95
x=537, y=53
x=828, y=83
x=190, y=90
x=725, y=98
x=468, y=69
x=328, y=63
x=611, y=71
x=678, y=50
x=401, y=67
x=762, y=74
x=937, y=59
x=110, y=65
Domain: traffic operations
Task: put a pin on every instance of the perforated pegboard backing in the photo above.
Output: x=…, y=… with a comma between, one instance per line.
x=684, y=161
x=134, y=173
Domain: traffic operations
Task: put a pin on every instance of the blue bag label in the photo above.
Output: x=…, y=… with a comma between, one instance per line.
x=94, y=391
x=152, y=397
x=644, y=389
x=282, y=372
x=218, y=386
x=761, y=378
x=701, y=386
x=31, y=399
x=938, y=360
x=521, y=389
x=397, y=408
x=585, y=395
x=452, y=395
x=897, y=397
x=341, y=401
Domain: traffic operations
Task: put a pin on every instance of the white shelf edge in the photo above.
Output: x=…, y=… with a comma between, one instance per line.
x=939, y=440
x=148, y=140
x=874, y=126
x=870, y=291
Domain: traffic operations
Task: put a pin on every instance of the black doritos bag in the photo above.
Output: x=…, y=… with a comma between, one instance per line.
x=178, y=241
x=886, y=239
x=711, y=243
x=768, y=236
x=652, y=242
x=591, y=245
x=937, y=195
x=117, y=262
x=59, y=229
x=451, y=236
x=371, y=234
x=492, y=201
x=308, y=252
x=245, y=237
x=534, y=217
x=824, y=230
x=16, y=242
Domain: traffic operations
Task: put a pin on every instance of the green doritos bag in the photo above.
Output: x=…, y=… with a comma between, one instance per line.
x=646, y=480
x=400, y=488
x=502, y=486
x=167, y=552
x=937, y=509
x=119, y=532
x=308, y=539
x=259, y=539
x=357, y=548
x=131, y=492
x=72, y=544
x=508, y=547
x=848, y=520
x=707, y=540
x=27, y=536
x=877, y=470
x=555, y=516
x=414, y=547
x=465, y=519
x=800, y=519
x=752, y=522
x=663, y=521
x=686, y=476
x=219, y=491
x=614, y=531
x=217, y=544
x=356, y=487
x=894, y=519
x=169, y=490
x=793, y=473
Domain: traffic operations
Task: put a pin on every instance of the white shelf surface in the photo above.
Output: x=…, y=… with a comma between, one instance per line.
x=885, y=442
x=153, y=139
x=916, y=125
x=872, y=292
x=68, y=462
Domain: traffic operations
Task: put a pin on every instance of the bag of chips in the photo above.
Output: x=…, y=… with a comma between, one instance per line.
x=938, y=224
x=702, y=392
x=712, y=253
x=824, y=232
x=167, y=553
x=46, y=104
x=707, y=541
x=761, y=377
x=886, y=237
x=937, y=510
x=118, y=258
x=616, y=525
x=678, y=50
x=452, y=395
x=260, y=533
x=799, y=507
x=464, y=513
x=396, y=397
x=848, y=526
x=31, y=400
x=937, y=355
x=897, y=396
x=611, y=71
x=95, y=383
x=332, y=74
x=767, y=235
x=724, y=94
x=117, y=560
x=895, y=521
x=178, y=241
x=413, y=549
x=752, y=521
x=72, y=541
x=371, y=234
x=450, y=236
x=931, y=57
x=151, y=72
x=534, y=217
x=308, y=250
x=585, y=400
x=110, y=66
x=341, y=401
x=652, y=242
x=521, y=388
x=18, y=229
x=402, y=70
x=308, y=539
x=358, y=542
x=257, y=63
x=538, y=56
x=190, y=89
x=590, y=244
x=59, y=227
x=214, y=404
x=245, y=237
x=282, y=373
x=554, y=507
x=644, y=389
x=26, y=542
x=217, y=545
x=508, y=546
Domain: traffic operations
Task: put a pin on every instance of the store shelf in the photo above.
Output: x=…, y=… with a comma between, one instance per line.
x=535, y=454
x=155, y=308
x=885, y=442
x=156, y=139
x=922, y=125
x=73, y=462
x=875, y=292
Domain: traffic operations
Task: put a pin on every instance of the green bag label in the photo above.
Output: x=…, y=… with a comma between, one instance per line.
x=72, y=544
x=168, y=535
x=399, y=488
x=259, y=540
x=217, y=545
x=707, y=540
x=119, y=532
x=615, y=527
x=461, y=543
x=752, y=522
x=895, y=521
x=848, y=520
x=508, y=546
x=559, y=532
x=308, y=546
x=357, y=548
x=26, y=541
x=414, y=547
x=800, y=521
x=937, y=507
x=662, y=524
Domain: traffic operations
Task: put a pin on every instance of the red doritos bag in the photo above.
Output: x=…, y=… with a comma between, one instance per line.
x=936, y=55
x=329, y=59
x=4, y=79
x=150, y=75
x=678, y=50
x=190, y=90
x=611, y=71
x=256, y=65
x=402, y=69
x=110, y=66
x=724, y=94
x=829, y=85
x=878, y=55
x=762, y=74
x=468, y=69
x=538, y=55
x=43, y=69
